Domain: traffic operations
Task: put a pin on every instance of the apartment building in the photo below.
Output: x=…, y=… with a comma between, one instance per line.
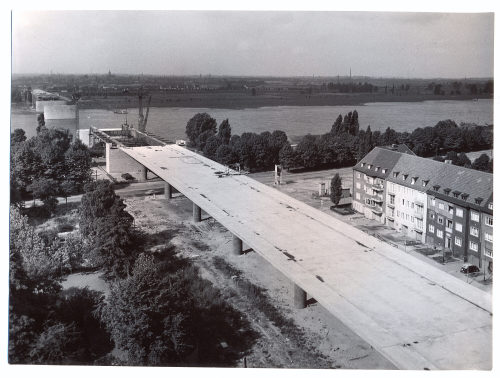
x=444, y=205
x=369, y=182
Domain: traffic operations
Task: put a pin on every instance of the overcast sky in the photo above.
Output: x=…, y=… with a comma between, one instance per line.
x=254, y=43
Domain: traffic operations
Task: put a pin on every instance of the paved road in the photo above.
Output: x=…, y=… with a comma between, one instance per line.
x=414, y=314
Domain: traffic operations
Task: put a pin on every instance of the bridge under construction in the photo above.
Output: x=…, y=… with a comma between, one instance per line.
x=415, y=315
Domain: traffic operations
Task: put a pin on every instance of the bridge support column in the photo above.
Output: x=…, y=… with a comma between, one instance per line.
x=144, y=174
x=237, y=245
x=168, y=191
x=196, y=213
x=299, y=297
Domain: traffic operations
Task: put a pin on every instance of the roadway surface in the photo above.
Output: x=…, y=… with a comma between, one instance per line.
x=415, y=315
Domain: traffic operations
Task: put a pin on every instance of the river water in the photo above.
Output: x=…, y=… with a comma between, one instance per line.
x=294, y=120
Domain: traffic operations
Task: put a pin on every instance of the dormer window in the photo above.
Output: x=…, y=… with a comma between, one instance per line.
x=490, y=206
x=405, y=176
x=456, y=193
x=369, y=166
x=465, y=196
x=478, y=200
x=362, y=165
x=395, y=174
x=414, y=180
x=447, y=191
x=376, y=169
x=425, y=182
x=436, y=188
x=384, y=170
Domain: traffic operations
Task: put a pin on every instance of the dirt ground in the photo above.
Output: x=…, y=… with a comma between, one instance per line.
x=324, y=342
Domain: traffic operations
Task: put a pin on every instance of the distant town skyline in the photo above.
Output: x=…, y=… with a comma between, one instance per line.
x=230, y=43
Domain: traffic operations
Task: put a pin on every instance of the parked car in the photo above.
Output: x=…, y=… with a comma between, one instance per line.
x=469, y=268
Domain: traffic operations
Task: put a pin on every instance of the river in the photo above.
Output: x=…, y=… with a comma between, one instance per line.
x=294, y=120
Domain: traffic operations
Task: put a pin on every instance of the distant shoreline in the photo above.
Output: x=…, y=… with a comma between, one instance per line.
x=239, y=100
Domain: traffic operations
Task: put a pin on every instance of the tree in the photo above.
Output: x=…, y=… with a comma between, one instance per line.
x=287, y=156
x=463, y=160
x=107, y=228
x=308, y=152
x=225, y=155
x=43, y=188
x=147, y=315
x=336, y=189
x=41, y=123
x=34, y=264
x=78, y=163
x=200, y=123
x=211, y=146
x=336, y=127
x=224, y=133
x=481, y=163
x=17, y=137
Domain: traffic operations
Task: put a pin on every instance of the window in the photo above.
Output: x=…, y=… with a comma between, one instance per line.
x=398, y=213
x=474, y=231
x=431, y=228
x=439, y=233
x=376, y=169
x=358, y=196
x=391, y=199
x=405, y=176
x=488, y=237
x=474, y=216
x=413, y=180
x=362, y=164
x=488, y=221
x=441, y=206
x=369, y=166
x=425, y=182
x=358, y=185
x=473, y=246
x=449, y=223
x=459, y=213
x=488, y=252
x=395, y=174
x=412, y=219
x=490, y=206
x=458, y=226
x=403, y=201
x=420, y=224
x=433, y=202
x=433, y=216
x=440, y=220
x=384, y=170
x=450, y=209
x=358, y=175
x=458, y=241
x=420, y=209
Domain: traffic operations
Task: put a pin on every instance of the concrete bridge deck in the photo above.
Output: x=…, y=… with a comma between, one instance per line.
x=414, y=314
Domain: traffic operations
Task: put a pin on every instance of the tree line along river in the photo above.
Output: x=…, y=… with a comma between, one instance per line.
x=294, y=120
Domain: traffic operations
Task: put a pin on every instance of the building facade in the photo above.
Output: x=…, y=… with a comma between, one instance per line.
x=446, y=206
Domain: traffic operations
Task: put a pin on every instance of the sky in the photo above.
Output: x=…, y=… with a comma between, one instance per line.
x=283, y=43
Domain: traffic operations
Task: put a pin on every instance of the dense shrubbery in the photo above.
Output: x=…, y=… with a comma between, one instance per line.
x=344, y=145
x=164, y=313
x=47, y=165
x=47, y=325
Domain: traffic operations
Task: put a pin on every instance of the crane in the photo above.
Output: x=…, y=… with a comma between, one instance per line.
x=143, y=120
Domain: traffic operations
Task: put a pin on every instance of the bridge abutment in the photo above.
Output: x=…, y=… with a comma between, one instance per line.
x=237, y=245
x=196, y=213
x=299, y=297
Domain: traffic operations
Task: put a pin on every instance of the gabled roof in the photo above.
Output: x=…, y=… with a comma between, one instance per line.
x=449, y=180
x=378, y=157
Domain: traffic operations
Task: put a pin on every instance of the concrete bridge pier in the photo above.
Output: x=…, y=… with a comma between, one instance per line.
x=168, y=191
x=299, y=297
x=196, y=213
x=143, y=174
x=237, y=245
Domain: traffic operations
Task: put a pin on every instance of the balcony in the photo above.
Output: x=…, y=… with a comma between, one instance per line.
x=378, y=199
x=448, y=230
x=377, y=210
x=378, y=187
x=418, y=215
x=391, y=205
